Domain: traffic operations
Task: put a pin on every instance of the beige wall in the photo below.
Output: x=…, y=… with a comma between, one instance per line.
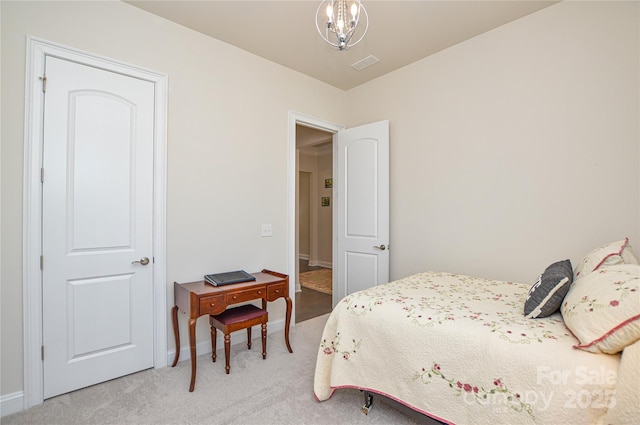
x=515, y=148
x=227, y=142
x=304, y=214
x=320, y=166
x=508, y=151
x=325, y=214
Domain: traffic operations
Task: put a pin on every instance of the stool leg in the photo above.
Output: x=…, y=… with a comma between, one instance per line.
x=214, y=336
x=264, y=340
x=249, y=337
x=227, y=351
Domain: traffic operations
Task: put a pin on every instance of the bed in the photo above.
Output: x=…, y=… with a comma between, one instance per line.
x=461, y=350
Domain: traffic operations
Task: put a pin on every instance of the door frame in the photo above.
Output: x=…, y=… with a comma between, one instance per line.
x=292, y=178
x=37, y=50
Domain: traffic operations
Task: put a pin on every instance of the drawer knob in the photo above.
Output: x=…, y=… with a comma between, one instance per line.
x=212, y=304
x=259, y=292
x=235, y=297
x=277, y=290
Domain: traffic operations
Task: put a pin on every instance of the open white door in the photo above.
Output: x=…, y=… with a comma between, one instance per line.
x=361, y=195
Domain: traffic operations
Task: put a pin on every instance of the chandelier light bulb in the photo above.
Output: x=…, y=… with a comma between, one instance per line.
x=354, y=11
x=329, y=12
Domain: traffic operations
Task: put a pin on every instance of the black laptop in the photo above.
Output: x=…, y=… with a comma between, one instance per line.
x=219, y=279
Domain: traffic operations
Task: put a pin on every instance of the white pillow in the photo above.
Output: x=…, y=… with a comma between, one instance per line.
x=609, y=254
x=602, y=309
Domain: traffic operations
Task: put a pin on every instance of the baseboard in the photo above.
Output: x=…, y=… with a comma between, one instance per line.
x=303, y=256
x=236, y=338
x=316, y=263
x=11, y=403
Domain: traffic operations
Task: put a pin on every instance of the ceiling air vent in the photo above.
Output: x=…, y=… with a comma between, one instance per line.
x=365, y=63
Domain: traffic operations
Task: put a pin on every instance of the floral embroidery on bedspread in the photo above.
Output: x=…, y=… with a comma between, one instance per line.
x=428, y=300
x=498, y=392
x=333, y=347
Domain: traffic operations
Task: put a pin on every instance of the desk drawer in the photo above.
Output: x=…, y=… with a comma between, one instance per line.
x=212, y=305
x=246, y=295
x=276, y=291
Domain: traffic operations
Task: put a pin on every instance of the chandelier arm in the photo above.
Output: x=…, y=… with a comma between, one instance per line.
x=366, y=27
x=325, y=36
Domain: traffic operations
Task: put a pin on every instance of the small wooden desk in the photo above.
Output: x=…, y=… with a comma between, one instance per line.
x=200, y=298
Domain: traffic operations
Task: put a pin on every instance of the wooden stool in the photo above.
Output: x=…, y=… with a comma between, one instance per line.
x=234, y=319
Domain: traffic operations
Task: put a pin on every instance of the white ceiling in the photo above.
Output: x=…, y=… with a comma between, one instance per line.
x=400, y=32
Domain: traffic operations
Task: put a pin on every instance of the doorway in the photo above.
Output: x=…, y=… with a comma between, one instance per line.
x=314, y=218
x=34, y=214
x=367, y=149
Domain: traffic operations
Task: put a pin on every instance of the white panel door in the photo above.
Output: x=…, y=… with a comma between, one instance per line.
x=362, y=208
x=97, y=221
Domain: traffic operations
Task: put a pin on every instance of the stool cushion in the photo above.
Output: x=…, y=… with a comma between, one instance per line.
x=240, y=314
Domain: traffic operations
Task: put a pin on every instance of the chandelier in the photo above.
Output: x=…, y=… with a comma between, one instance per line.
x=341, y=19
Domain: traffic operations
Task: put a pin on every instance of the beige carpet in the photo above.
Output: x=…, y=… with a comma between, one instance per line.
x=318, y=280
x=278, y=391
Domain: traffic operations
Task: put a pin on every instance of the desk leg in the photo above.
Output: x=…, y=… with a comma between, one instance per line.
x=176, y=334
x=192, y=346
x=287, y=323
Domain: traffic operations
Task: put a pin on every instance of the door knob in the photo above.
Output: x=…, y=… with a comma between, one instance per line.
x=381, y=247
x=144, y=261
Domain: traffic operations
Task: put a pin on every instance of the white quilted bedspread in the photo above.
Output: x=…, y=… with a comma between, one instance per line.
x=459, y=349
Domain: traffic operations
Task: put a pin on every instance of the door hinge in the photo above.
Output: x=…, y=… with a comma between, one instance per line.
x=42, y=262
x=42, y=352
x=44, y=83
x=42, y=175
